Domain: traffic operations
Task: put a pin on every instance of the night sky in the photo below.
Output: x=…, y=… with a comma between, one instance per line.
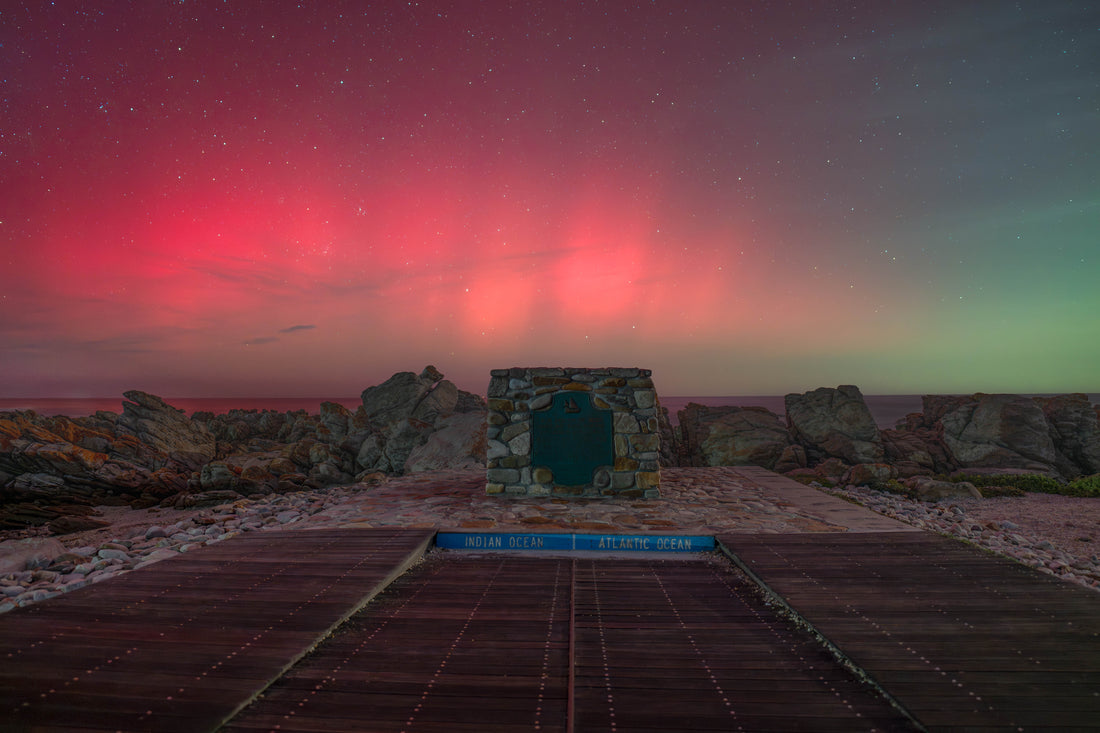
x=298, y=199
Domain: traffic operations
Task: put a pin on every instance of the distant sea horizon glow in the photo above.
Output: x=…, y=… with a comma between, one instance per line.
x=885, y=409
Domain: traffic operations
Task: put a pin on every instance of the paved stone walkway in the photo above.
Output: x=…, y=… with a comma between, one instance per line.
x=693, y=500
x=697, y=501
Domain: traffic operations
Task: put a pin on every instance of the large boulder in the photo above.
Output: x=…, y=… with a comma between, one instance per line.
x=918, y=451
x=167, y=429
x=58, y=460
x=32, y=486
x=69, y=523
x=869, y=474
x=732, y=436
x=1075, y=431
x=670, y=439
x=398, y=442
x=219, y=476
x=834, y=423
x=460, y=442
x=35, y=552
x=1000, y=431
x=405, y=395
x=404, y=412
x=927, y=488
x=28, y=446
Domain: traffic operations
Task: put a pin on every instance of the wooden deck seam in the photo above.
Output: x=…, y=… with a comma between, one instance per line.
x=190, y=631
x=835, y=651
x=395, y=572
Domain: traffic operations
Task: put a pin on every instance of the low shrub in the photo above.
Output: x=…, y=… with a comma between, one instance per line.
x=893, y=486
x=1084, y=486
x=990, y=492
x=1015, y=484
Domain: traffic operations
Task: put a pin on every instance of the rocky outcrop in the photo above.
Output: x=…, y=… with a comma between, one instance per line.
x=60, y=460
x=458, y=442
x=834, y=423
x=423, y=397
x=918, y=451
x=927, y=488
x=999, y=431
x=869, y=474
x=28, y=554
x=52, y=468
x=1075, y=429
x=1056, y=436
x=406, y=410
x=671, y=445
x=166, y=429
x=831, y=436
x=732, y=436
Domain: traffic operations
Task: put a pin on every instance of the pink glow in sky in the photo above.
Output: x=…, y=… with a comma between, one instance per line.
x=234, y=199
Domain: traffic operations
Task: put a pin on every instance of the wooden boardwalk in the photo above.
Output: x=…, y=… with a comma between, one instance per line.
x=184, y=644
x=961, y=638
x=242, y=636
x=511, y=643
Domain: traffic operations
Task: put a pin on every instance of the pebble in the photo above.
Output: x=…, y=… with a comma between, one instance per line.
x=1004, y=538
x=710, y=500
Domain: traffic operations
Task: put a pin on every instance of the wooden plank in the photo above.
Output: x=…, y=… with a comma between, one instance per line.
x=701, y=633
x=216, y=626
x=460, y=644
x=959, y=637
x=500, y=654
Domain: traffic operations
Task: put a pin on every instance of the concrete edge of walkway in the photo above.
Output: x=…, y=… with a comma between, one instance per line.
x=816, y=503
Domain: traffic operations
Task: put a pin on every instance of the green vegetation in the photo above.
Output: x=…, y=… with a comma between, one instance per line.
x=1032, y=482
x=893, y=486
x=1015, y=484
x=1085, y=486
x=990, y=492
x=807, y=480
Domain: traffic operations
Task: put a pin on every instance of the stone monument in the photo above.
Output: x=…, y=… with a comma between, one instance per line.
x=559, y=431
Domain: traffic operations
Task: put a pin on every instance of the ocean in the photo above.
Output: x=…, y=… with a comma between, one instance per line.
x=886, y=409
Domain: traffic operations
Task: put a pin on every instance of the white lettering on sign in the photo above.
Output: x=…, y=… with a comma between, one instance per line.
x=478, y=541
x=613, y=542
x=525, y=542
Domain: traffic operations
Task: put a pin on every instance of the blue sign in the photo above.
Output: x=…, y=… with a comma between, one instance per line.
x=552, y=541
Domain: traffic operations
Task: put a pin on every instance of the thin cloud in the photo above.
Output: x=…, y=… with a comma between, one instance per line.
x=297, y=328
x=261, y=340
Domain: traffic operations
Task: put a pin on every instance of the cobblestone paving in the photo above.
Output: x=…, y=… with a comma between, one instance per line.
x=699, y=501
x=693, y=500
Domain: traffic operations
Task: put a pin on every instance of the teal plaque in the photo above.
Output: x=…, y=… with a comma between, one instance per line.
x=572, y=438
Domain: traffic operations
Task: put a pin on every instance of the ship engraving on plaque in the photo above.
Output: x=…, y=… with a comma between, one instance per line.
x=573, y=438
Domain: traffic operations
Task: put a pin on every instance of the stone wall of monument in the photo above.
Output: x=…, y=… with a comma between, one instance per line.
x=573, y=432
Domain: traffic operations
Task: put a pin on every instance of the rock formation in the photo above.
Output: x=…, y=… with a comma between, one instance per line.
x=990, y=431
x=834, y=423
x=166, y=429
x=732, y=436
x=459, y=441
x=1075, y=430
x=404, y=411
x=53, y=470
x=830, y=435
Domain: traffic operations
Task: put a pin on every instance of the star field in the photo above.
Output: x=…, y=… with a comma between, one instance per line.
x=227, y=198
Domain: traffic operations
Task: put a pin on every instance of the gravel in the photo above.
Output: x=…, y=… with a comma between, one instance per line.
x=1057, y=535
x=1054, y=534
x=147, y=538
